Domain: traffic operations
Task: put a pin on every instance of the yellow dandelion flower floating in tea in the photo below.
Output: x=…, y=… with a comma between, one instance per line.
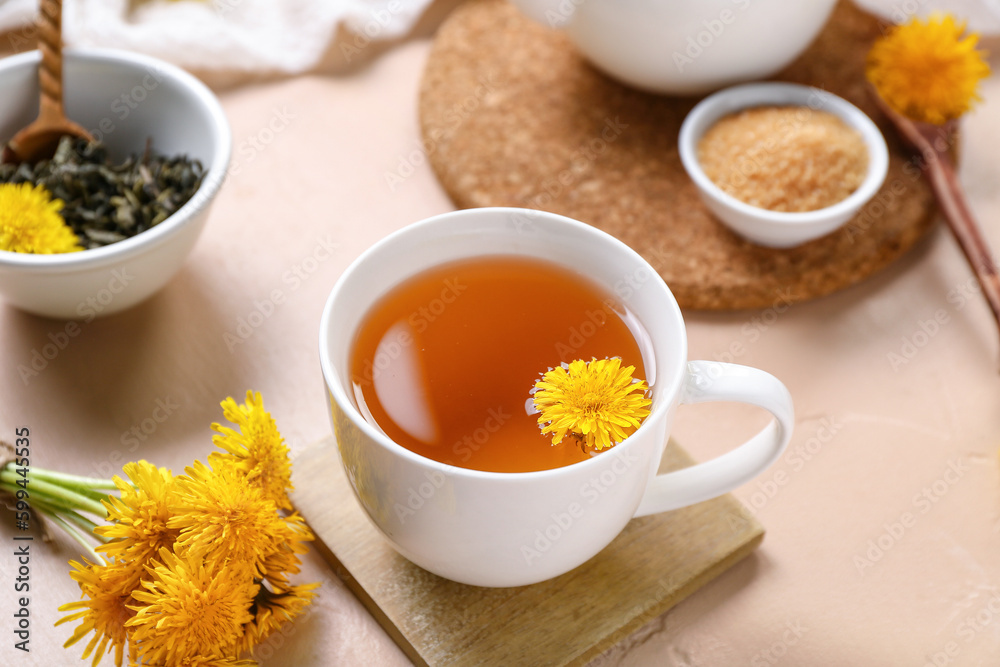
x=107, y=590
x=30, y=221
x=926, y=70
x=257, y=449
x=139, y=529
x=191, y=609
x=596, y=400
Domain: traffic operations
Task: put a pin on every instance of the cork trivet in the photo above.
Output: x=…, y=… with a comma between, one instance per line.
x=511, y=115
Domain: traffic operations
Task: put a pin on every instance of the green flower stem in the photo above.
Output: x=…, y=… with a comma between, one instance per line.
x=75, y=533
x=40, y=491
x=55, y=504
x=61, y=498
x=87, y=493
x=69, y=515
x=53, y=491
x=74, y=481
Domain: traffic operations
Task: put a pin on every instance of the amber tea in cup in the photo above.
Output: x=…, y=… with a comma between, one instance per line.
x=444, y=363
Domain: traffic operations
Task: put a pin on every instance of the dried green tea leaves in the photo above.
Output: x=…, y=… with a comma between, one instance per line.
x=103, y=202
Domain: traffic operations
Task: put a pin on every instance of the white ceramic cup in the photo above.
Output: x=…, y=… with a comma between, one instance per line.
x=685, y=46
x=511, y=529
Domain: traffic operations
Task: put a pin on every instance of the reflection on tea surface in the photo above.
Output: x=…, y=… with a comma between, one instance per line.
x=444, y=363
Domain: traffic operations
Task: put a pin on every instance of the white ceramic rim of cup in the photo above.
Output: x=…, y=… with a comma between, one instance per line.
x=214, y=177
x=664, y=386
x=750, y=95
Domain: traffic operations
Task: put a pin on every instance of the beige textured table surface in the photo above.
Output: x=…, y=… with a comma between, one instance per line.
x=858, y=567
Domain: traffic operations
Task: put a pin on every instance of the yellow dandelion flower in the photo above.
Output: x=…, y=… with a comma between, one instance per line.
x=596, y=400
x=223, y=518
x=257, y=448
x=926, y=70
x=107, y=591
x=191, y=609
x=271, y=610
x=30, y=221
x=284, y=558
x=203, y=661
x=139, y=529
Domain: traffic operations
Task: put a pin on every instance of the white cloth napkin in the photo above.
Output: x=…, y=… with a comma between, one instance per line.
x=228, y=40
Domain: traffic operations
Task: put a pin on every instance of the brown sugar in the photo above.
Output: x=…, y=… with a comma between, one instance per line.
x=788, y=159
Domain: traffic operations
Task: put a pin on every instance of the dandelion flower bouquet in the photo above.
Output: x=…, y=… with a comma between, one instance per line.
x=192, y=570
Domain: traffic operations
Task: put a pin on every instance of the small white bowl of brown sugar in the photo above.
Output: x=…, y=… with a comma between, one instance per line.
x=780, y=163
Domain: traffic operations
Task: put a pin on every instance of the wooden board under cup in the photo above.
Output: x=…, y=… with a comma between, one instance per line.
x=656, y=562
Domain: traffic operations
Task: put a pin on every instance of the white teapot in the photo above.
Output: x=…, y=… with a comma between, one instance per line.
x=685, y=46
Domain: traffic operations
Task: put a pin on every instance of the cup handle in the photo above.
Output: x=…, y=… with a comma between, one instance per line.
x=718, y=381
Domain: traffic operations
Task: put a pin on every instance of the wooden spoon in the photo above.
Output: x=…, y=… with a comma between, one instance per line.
x=40, y=139
x=935, y=145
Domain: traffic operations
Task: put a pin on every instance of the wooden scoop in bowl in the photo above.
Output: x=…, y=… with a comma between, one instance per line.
x=40, y=139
